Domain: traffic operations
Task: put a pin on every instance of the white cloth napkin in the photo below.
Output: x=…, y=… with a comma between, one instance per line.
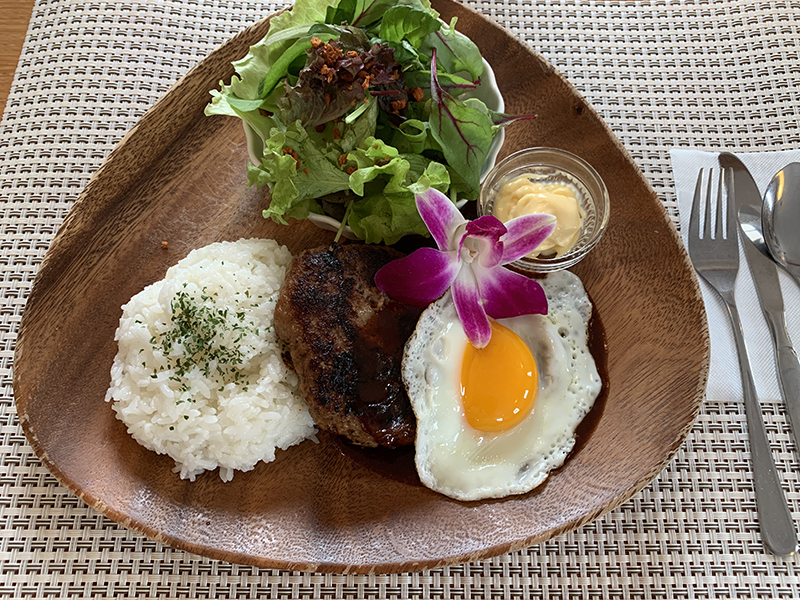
x=724, y=381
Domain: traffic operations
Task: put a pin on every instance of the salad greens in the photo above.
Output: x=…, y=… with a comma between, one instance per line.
x=356, y=105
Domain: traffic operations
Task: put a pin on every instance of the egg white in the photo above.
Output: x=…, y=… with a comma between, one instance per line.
x=466, y=464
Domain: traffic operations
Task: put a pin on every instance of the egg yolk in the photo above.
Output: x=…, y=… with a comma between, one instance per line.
x=498, y=382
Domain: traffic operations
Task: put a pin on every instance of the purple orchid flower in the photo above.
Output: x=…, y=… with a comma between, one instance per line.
x=470, y=262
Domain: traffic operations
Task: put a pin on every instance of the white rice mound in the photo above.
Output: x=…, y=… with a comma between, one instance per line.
x=236, y=401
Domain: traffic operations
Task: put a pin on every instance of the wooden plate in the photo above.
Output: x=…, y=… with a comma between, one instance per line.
x=180, y=177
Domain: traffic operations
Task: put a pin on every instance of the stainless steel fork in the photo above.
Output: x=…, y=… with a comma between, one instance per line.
x=716, y=259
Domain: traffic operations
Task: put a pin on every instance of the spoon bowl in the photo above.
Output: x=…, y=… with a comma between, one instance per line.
x=780, y=218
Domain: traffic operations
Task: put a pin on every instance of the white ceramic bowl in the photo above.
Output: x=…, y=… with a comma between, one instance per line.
x=487, y=92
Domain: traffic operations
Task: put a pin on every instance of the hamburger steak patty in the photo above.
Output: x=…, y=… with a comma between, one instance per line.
x=346, y=340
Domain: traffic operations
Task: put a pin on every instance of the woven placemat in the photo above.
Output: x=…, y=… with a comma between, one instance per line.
x=662, y=73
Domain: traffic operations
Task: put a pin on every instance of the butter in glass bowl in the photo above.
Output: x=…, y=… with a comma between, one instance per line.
x=556, y=182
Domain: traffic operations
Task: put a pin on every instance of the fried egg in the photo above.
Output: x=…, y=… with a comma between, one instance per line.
x=495, y=421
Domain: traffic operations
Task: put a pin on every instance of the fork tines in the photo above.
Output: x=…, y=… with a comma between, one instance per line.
x=721, y=200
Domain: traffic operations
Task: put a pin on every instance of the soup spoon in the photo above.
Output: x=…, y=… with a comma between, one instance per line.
x=780, y=218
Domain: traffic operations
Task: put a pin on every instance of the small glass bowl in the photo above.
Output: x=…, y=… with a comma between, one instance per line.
x=551, y=165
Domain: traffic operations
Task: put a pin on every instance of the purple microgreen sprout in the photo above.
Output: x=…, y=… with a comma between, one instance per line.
x=469, y=261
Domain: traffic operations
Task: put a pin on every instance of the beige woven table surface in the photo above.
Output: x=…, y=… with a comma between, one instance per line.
x=663, y=74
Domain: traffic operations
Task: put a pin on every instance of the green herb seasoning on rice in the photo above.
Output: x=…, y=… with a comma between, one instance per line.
x=199, y=374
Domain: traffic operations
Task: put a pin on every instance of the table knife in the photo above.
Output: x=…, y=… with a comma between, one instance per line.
x=765, y=275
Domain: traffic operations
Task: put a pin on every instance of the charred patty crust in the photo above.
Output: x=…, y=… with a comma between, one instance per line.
x=346, y=338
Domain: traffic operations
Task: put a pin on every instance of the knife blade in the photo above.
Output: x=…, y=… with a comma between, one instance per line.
x=747, y=201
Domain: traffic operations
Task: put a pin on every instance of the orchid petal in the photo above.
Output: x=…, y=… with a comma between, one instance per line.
x=507, y=294
x=487, y=230
x=525, y=233
x=467, y=300
x=419, y=278
x=441, y=216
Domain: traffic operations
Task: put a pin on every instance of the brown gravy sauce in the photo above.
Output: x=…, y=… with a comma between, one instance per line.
x=380, y=402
